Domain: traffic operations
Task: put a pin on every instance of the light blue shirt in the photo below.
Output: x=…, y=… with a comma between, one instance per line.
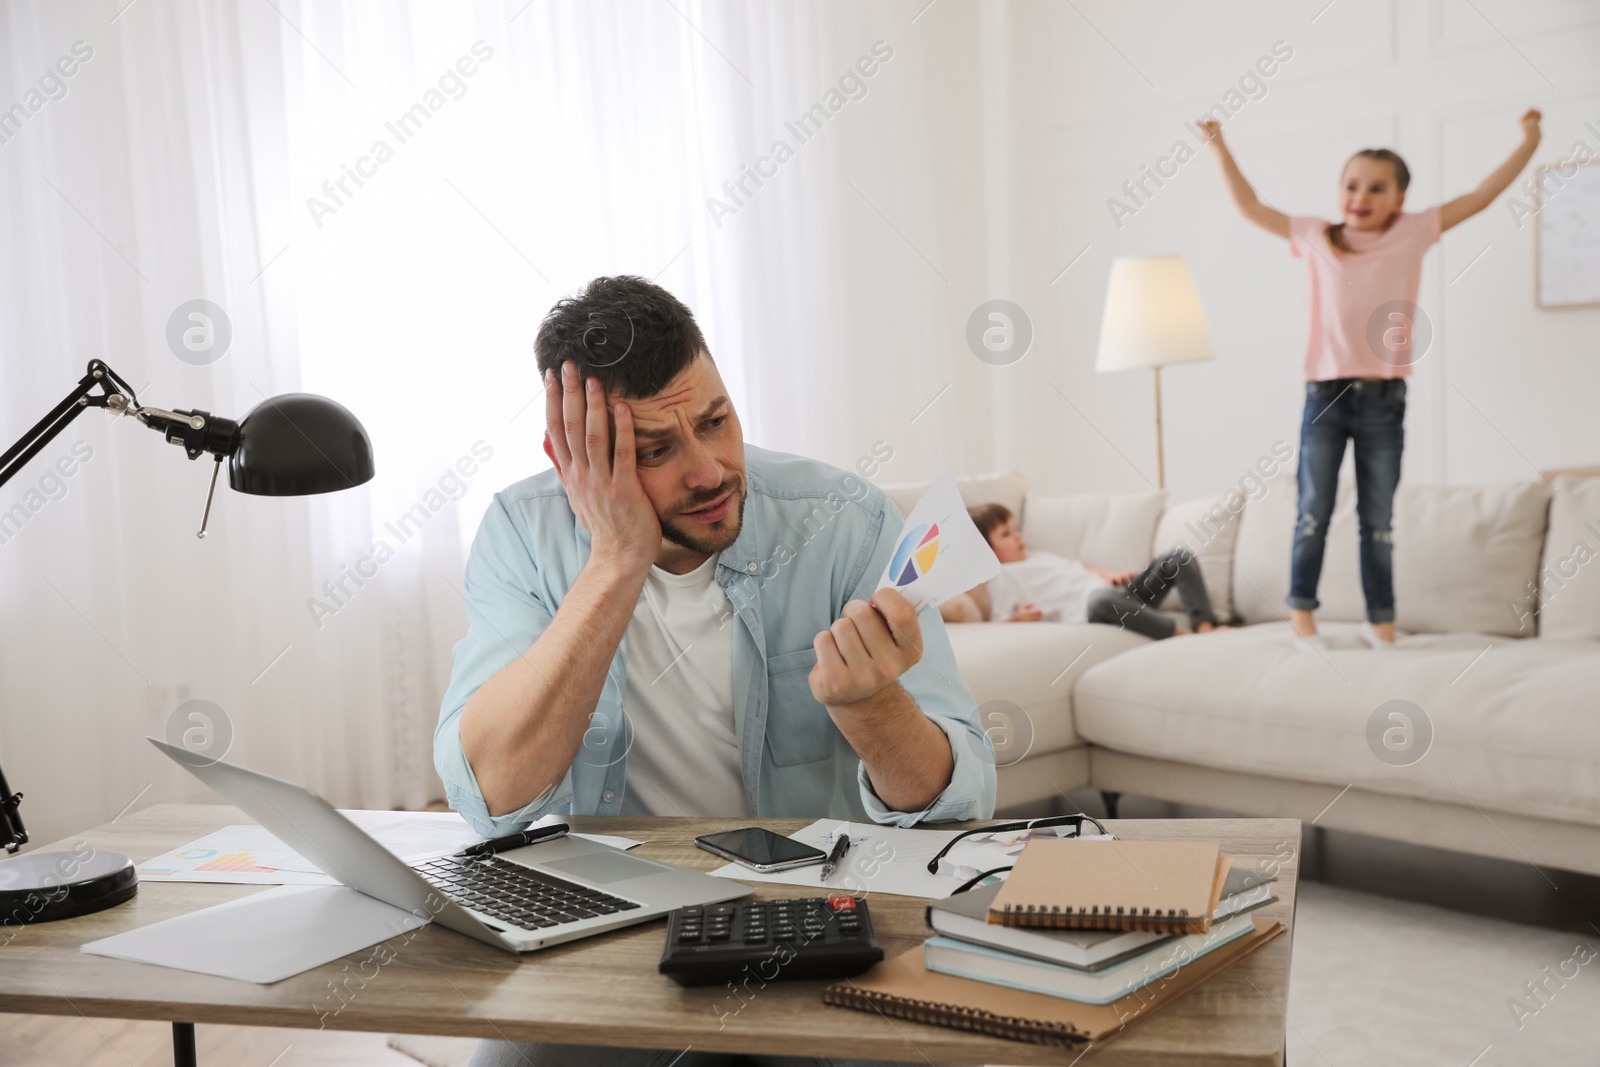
x=814, y=537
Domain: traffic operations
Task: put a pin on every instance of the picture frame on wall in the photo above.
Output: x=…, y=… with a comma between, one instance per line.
x=1567, y=236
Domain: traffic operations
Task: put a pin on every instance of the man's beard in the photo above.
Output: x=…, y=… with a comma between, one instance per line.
x=704, y=539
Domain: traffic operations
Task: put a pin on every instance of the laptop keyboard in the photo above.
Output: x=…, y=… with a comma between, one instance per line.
x=521, y=896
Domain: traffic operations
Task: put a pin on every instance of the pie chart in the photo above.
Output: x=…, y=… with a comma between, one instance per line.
x=914, y=555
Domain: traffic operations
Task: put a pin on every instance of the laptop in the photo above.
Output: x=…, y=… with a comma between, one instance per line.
x=520, y=900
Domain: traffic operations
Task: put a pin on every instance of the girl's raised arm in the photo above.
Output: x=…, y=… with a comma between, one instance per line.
x=1464, y=207
x=1244, y=197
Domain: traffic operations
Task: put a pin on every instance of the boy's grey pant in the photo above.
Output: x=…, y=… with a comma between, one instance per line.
x=1135, y=606
x=528, y=1054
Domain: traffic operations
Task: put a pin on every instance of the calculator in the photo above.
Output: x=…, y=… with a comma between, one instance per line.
x=770, y=940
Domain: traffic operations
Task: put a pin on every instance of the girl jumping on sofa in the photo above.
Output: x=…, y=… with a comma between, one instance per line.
x=1034, y=586
x=1364, y=274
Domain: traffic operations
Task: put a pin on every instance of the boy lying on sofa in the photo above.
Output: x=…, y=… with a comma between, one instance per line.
x=1034, y=586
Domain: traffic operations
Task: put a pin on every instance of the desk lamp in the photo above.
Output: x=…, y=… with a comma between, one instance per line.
x=290, y=445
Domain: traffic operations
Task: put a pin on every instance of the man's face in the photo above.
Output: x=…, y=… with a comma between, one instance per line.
x=690, y=455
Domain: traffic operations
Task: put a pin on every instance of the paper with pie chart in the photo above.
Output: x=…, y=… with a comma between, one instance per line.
x=939, y=553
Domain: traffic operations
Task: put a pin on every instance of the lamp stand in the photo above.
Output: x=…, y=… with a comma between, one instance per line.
x=1161, y=462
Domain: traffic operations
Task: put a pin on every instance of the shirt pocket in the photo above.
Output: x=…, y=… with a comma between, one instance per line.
x=799, y=729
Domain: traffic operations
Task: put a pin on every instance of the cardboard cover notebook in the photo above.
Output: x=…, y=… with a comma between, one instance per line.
x=903, y=989
x=1164, y=887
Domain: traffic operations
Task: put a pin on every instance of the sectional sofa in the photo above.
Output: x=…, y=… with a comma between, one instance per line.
x=1479, y=732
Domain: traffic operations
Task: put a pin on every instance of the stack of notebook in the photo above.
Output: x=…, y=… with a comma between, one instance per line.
x=1082, y=938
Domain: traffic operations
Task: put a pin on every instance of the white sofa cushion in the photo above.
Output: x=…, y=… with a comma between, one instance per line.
x=1104, y=530
x=1464, y=556
x=1208, y=528
x=1569, y=578
x=1467, y=557
x=1003, y=487
x=1022, y=674
x=1518, y=734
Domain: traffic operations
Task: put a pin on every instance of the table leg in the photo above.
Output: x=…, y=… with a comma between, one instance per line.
x=1110, y=802
x=183, y=1045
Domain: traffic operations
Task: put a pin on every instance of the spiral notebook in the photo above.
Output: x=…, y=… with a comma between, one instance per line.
x=1163, y=887
x=902, y=988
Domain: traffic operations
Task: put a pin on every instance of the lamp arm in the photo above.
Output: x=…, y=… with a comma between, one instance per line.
x=46, y=429
x=195, y=431
x=13, y=834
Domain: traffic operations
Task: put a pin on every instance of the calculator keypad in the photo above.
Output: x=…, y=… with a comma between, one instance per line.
x=808, y=937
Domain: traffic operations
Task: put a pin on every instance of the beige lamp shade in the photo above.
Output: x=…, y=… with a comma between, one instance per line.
x=1153, y=315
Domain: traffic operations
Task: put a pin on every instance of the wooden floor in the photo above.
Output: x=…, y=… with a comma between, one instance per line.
x=56, y=1041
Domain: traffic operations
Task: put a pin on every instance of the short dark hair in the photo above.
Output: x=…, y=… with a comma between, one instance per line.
x=628, y=332
x=989, y=517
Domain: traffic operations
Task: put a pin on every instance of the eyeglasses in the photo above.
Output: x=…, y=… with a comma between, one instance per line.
x=1074, y=822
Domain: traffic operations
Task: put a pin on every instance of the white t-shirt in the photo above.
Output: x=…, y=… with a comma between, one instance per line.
x=684, y=756
x=1058, y=587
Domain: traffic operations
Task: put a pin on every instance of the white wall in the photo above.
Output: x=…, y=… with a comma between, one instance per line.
x=1102, y=88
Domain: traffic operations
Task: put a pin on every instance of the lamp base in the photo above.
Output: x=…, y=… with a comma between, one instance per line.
x=39, y=887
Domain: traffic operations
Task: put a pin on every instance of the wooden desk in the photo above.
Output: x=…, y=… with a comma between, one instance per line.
x=605, y=990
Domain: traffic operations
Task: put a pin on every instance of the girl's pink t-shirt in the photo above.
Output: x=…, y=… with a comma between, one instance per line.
x=1364, y=303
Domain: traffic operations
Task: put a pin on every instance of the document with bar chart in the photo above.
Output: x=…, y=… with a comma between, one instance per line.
x=252, y=855
x=239, y=854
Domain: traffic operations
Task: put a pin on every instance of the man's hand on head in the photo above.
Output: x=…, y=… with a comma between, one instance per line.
x=597, y=469
x=866, y=650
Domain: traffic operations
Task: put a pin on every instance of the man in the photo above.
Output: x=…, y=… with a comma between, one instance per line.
x=672, y=622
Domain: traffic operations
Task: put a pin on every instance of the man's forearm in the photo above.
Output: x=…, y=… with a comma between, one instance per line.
x=523, y=727
x=907, y=755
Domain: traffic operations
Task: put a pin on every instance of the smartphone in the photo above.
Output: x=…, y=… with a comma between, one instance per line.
x=760, y=850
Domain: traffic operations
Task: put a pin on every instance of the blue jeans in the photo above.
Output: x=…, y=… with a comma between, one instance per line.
x=1371, y=414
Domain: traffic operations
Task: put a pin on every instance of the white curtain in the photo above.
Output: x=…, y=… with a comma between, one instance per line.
x=231, y=152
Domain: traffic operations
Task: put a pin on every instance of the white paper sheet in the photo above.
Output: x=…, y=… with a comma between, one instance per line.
x=940, y=552
x=251, y=855
x=265, y=937
x=882, y=859
x=614, y=841
x=888, y=859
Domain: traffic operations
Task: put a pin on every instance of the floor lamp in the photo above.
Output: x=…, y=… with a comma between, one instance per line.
x=1153, y=317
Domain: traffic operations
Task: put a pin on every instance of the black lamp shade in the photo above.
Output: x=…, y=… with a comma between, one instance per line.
x=298, y=444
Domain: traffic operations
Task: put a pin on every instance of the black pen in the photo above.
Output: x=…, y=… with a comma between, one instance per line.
x=526, y=837
x=839, y=848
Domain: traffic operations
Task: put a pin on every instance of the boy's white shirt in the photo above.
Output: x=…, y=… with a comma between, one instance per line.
x=1059, y=587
